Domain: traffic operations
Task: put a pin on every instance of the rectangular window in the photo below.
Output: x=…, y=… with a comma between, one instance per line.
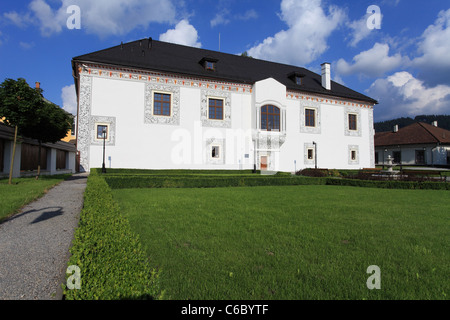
x=397, y=156
x=102, y=131
x=352, y=122
x=376, y=158
x=72, y=130
x=310, y=154
x=353, y=155
x=215, y=152
x=161, y=104
x=215, y=109
x=420, y=156
x=310, y=117
x=209, y=65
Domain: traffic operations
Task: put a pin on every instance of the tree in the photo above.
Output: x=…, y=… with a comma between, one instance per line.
x=18, y=105
x=32, y=116
x=51, y=125
x=245, y=54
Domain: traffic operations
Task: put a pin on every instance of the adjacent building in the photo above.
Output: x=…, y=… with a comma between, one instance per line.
x=417, y=144
x=56, y=158
x=154, y=105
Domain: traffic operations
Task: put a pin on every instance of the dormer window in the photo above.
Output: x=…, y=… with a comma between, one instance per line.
x=296, y=77
x=209, y=63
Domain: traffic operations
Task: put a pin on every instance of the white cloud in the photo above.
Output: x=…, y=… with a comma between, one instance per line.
x=306, y=37
x=401, y=94
x=434, y=48
x=374, y=62
x=248, y=15
x=19, y=20
x=184, y=34
x=223, y=17
x=360, y=30
x=69, y=99
x=26, y=45
x=49, y=22
x=103, y=17
x=220, y=18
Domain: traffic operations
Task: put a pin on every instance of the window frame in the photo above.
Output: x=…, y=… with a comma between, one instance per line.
x=352, y=120
x=267, y=116
x=210, y=65
x=420, y=157
x=105, y=125
x=215, y=152
x=308, y=152
x=162, y=101
x=397, y=156
x=215, y=108
x=308, y=116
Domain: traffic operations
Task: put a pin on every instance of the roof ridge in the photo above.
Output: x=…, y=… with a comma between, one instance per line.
x=427, y=130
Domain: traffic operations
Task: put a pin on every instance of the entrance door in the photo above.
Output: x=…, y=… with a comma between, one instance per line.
x=264, y=162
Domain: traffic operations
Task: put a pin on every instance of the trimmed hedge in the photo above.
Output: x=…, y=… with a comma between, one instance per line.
x=142, y=181
x=112, y=263
x=122, y=182
x=181, y=172
x=389, y=184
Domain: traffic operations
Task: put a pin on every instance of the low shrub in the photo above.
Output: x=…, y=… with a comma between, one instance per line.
x=310, y=172
x=112, y=262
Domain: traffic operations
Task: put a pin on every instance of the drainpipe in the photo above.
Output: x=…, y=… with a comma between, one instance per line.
x=315, y=154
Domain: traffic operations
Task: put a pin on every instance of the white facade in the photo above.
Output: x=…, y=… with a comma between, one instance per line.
x=123, y=101
x=418, y=154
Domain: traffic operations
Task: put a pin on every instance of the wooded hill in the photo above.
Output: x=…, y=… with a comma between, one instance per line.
x=443, y=122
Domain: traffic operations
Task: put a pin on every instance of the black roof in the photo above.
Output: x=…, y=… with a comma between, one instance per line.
x=166, y=57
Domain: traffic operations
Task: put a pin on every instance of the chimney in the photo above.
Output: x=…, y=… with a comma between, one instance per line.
x=326, y=76
x=38, y=85
x=435, y=123
x=150, y=43
x=396, y=128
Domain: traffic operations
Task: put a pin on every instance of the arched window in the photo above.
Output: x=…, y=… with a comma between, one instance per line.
x=270, y=118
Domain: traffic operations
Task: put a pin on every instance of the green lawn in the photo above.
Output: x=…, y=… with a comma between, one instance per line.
x=22, y=191
x=294, y=242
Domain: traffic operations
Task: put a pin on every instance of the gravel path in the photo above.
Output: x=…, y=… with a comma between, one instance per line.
x=35, y=243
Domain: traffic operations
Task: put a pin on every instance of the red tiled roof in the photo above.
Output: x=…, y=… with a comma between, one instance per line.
x=416, y=133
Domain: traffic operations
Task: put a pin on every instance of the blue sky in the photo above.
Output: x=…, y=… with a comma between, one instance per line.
x=404, y=64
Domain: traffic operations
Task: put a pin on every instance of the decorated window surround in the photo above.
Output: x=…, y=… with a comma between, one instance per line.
x=149, y=116
x=309, y=148
x=220, y=145
x=357, y=113
x=353, y=149
x=110, y=123
x=205, y=95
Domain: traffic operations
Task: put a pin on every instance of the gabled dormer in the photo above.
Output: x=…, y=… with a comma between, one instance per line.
x=209, y=63
x=296, y=77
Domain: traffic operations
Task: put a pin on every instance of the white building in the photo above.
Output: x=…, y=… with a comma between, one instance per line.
x=420, y=144
x=167, y=106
